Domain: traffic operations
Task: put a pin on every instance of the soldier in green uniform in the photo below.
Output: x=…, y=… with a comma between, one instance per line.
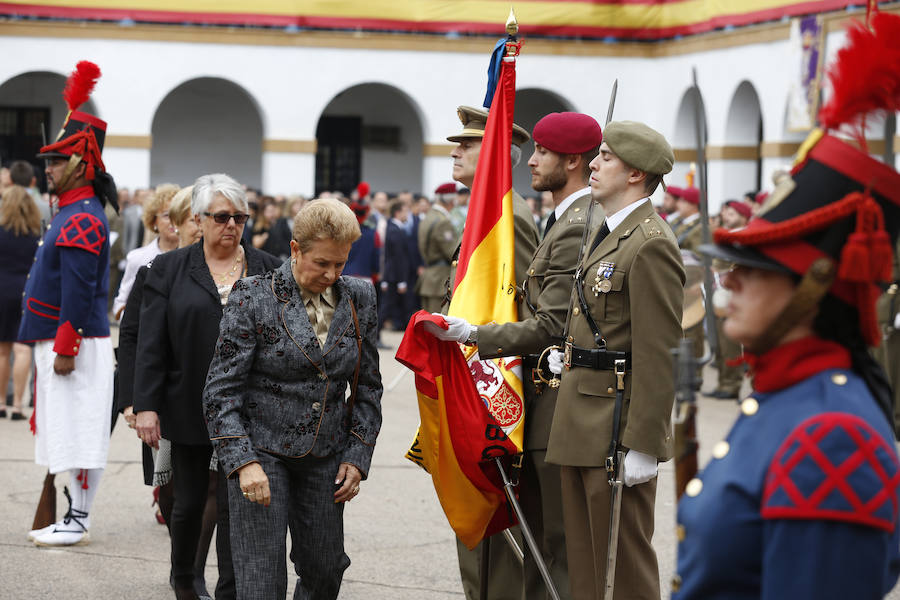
x=505, y=568
x=565, y=144
x=437, y=241
x=625, y=313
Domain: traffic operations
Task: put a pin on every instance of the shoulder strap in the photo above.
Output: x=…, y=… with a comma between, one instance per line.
x=358, y=355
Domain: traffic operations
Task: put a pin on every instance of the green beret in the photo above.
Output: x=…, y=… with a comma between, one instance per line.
x=639, y=146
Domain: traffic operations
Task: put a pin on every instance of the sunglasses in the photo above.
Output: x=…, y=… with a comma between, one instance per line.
x=222, y=217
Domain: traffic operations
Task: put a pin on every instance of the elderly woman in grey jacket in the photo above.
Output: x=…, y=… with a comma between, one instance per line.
x=293, y=407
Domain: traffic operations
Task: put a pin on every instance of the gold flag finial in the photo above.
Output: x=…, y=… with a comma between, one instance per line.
x=512, y=26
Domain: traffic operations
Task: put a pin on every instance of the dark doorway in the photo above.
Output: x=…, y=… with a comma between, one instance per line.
x=338, y=154
x=23, y=130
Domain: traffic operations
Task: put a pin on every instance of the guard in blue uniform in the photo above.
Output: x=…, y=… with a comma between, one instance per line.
x=800, y=500
x=64, y=315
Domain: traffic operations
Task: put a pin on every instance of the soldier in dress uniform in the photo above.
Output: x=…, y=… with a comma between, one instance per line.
x=888, y=352
x=735, y=215
x=504, y=565
x=689, y=234
x=437, y=241
x=800, y=499
x=65, y=317
x=624, y=318
x=565, y=144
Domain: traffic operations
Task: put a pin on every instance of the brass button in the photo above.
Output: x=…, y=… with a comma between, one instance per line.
x=75, y=349
x=749, y=406
x=531, y=272
x=577, y=209
x=646, y=220
x=499, y=349
x=839, y=379
x=676, y=582
x=693, y=487
x=576, y=311
x=627, y=231
x=609, y=390
x=80, y=331
x=454, y=263
x=40, y=243
x=721, y=449
x=28, y=276
x=680, y=532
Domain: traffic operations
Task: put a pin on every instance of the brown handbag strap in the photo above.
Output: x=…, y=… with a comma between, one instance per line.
x=358, y=356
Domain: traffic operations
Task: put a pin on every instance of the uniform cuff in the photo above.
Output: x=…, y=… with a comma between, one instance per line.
x=68, y=341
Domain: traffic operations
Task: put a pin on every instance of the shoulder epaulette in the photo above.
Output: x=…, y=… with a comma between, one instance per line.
x=834, y=466
x=84, y=231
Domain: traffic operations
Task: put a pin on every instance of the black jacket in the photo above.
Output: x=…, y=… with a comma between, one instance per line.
x=179, y=325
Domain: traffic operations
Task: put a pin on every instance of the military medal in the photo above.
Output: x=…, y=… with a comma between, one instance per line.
x=602, y=284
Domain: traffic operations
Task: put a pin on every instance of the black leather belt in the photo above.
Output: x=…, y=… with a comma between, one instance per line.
x=598, y=359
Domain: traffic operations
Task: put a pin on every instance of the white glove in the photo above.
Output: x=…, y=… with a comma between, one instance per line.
x=638, y=468
x=555, y=360
x=458, y=329
x=897, y=321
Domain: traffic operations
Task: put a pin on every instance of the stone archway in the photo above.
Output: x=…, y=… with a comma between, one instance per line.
x=742, y=170
x=370, y=132
x=684, y=141
x=32, y=110
x=532, y=104
x=207, y=125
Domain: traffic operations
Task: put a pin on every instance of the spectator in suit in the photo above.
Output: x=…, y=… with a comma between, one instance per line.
x=395, y=278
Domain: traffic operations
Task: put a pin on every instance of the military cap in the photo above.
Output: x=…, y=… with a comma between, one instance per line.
x=446, y=188
x=474, y=120
x=568, y=133
x=639, y=146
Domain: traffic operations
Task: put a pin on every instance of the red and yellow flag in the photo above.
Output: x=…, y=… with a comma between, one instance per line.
x=472, y=410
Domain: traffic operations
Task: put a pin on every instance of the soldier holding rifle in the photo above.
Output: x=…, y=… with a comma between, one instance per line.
x=625, y=316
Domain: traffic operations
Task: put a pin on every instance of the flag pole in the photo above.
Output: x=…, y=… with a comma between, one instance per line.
x=512, y=48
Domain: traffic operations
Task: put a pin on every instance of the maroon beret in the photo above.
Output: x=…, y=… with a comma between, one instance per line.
x=741, y=207
x=446, y=188
x=690, y=194
x=567, y=133
x=674, y=190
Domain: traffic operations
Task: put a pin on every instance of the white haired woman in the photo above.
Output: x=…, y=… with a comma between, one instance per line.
x=183, y=296
x=293, y=342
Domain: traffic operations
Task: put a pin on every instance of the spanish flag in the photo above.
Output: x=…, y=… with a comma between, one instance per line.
x=471, y=410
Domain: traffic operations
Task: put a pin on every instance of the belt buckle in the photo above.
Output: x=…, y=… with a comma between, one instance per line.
x=567, y=353
x=619, y=368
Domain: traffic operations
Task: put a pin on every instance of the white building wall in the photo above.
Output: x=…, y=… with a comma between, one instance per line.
x=292, y=86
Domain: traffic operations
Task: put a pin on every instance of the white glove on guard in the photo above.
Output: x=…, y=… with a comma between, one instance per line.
x=638, y=468
x=555, y=360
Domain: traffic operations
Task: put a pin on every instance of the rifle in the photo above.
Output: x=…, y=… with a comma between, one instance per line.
x=685, y=414
x=45, y=513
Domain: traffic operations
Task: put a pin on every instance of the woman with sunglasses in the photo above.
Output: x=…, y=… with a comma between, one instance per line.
x=183, y=296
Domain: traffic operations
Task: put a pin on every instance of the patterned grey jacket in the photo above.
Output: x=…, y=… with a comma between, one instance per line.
x=271, y=387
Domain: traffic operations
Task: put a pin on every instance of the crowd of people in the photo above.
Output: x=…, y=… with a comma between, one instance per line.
x=248, y=360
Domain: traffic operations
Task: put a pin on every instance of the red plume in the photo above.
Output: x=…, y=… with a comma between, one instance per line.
x=865, y=75
x=80, y=84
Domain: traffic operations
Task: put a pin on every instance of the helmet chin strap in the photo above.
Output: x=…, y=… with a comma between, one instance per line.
x=809, y=292
x=65, y=182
